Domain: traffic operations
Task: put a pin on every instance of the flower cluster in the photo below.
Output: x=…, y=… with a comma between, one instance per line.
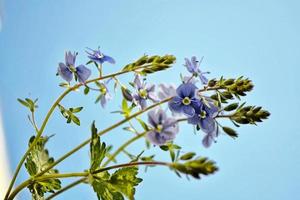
x=202, y=104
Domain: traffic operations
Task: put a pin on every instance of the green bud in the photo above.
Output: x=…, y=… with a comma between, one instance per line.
x=212, y=83
x=229, y=82
x=230, y=132
x=231, y=107
x=187, y=156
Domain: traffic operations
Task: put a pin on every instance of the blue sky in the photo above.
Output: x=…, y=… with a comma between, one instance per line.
x=257, y=39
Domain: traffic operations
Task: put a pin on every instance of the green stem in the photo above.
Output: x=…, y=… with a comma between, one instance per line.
x=81, y=174
x=100, y=134
x=73, y=184
x=121, y=148
x=40, y=132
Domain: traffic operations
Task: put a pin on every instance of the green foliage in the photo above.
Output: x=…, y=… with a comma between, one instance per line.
x=121, y=183
x=172, y=148
x=38, y=160
x=249, y=115
x=230, y=88
x=150, y=64
x=195, y=168
x=97, y=149
x=229, y=131
x=69, y=114
x=29, y=103
x=187, y=156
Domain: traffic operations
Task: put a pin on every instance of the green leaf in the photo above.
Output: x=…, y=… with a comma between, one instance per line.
x=75, y=120
x=37, y=160
x=143, y=124
x=120, y=183
x=97, y=149
x=68, y=114
x=124, y=180
x=76, y=110
x=24, y=103
x=29, y=103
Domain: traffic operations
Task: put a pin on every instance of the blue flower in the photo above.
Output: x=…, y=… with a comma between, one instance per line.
x=205, y=119
x=193, y=66
x=104, y=96
x=67, y=70
x=164, y=128
x=98, y=57
x=185, y=102
x=144, y=92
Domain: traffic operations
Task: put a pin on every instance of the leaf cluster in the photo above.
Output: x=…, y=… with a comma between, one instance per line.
x=38, y=160
x=69, y=114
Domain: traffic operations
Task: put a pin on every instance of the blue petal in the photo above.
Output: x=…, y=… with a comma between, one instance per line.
x=108, y=59
x=203, y=79
x=156, y=138
x=65, y=72
x=143, y=103
x=189, y=66
x=175, y=104
x=208, y=125
x=152, y=118
x=186, y=90
x=189, y=111
x=83, y=73
x=194, y=120
x=207, y=140
x=70, y=58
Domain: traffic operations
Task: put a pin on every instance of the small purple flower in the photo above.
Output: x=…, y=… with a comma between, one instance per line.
x=144, y=92
x=193, y=66
x=185, y=101
x=67, y=69
x=164, y=128
x=166, y=91
x=98, y=57
x=104, y=96
x=205, y=119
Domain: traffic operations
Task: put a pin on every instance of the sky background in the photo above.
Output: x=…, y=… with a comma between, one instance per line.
x=257, y=39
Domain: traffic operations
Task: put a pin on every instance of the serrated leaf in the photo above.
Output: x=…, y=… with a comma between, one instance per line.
x=120, y=183
x=37, y=160
x=124, y=180
x=97, y=149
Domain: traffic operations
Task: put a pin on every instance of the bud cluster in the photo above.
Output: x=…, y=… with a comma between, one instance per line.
x=249, y=115
x=233, y=87
x=195, y=168
x=147, y=65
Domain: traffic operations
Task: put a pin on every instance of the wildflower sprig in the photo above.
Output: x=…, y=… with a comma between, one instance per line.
x=201, y=104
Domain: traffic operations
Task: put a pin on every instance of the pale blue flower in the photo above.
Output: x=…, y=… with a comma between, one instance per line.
x=98, y=57
x=67, y=70
x=205, y=118
x=193, y=66
x=164, y=129
x=144, y=92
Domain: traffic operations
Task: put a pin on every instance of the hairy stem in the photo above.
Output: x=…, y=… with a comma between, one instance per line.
x=73, y=184
x=121, y=148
